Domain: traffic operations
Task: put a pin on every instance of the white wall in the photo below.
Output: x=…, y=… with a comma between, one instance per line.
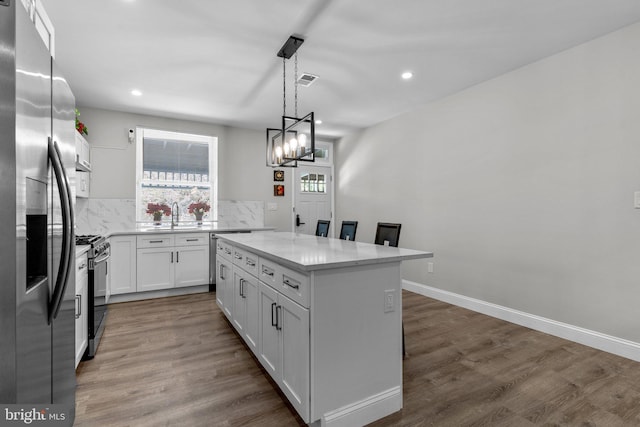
x=522, y=186
x=241, y=159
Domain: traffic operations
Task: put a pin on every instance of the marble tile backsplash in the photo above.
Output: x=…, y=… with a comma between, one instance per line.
x=103, y=216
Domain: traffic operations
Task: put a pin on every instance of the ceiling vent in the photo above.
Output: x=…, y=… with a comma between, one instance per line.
x=306, y=79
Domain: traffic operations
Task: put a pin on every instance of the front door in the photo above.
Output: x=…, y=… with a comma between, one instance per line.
x=312, y=198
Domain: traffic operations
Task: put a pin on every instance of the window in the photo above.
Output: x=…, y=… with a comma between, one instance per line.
x=175, y=167
x=313, y=183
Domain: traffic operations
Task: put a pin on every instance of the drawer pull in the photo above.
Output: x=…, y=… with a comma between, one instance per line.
x=192, y=240
x=227, y=251
x=267, y=272
x=238, y=256
x=250, y=262
x=156, y=241
x=291, y=285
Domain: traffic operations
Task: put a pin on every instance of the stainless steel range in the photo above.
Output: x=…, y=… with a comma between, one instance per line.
x=98, y=257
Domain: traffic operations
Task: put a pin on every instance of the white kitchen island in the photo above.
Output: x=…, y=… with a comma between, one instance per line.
x=323, y=317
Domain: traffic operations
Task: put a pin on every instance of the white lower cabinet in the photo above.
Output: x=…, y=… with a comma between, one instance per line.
x=245, y=312
x=122, y=274
x=156, y=269
x=274, y=326
x=165, y=261
x=224, y=285
x=82, y=291
x=192, y=265
x=284, y=346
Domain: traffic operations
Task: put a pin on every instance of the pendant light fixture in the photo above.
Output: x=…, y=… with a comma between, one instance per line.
x=295, y=140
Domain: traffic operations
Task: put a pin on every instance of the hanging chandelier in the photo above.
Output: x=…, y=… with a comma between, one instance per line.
x=295, y=140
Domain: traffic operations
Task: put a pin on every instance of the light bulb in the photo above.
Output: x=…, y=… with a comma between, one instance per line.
x=278, y=152
x=294, y=145
x=286, y=149
x=302, y=139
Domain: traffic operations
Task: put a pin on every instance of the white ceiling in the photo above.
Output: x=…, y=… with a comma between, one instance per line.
x=215, y=61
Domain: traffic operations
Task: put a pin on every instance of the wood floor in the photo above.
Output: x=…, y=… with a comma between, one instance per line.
x=176, y=362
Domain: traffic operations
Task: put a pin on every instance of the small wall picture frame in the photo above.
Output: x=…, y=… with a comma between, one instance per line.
x=278, y=190
x=278, y=175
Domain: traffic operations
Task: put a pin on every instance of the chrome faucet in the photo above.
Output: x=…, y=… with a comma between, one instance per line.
x=175, y=214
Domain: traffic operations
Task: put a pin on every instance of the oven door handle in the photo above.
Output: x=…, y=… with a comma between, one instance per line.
x=102, y=258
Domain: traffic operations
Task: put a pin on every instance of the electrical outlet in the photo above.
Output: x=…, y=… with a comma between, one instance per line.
x=389, y=300
x=429, y=267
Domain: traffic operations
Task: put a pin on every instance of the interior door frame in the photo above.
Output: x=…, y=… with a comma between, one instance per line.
x=324, y=163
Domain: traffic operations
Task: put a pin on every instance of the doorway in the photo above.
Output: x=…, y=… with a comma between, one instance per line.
x=313, y=187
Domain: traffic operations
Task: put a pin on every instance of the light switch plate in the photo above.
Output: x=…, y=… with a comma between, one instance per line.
x=389, y=300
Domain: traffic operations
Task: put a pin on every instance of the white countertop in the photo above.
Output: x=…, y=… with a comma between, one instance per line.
x=308, y=253
x=206, y=228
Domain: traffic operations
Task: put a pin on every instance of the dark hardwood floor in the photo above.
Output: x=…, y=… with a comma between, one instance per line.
x=177, y=362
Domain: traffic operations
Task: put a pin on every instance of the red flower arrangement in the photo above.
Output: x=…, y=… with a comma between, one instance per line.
x=199, y=208
x=158, y=208
x=80, y=127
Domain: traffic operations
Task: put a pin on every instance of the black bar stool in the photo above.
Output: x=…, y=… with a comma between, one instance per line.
x=348, y=230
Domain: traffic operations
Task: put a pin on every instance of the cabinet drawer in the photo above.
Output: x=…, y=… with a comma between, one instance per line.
x=224, y=249
x=155, y=241
x=268, y=272
x=295, y=285
x=246, y=260
x=192, y=239
x=288, y=282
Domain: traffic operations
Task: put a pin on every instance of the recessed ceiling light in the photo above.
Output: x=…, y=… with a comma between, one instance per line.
x=318, y=122
x=136, y=92
x=407, y=75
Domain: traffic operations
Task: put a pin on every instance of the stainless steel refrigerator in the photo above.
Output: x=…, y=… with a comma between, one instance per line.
x=37, y=248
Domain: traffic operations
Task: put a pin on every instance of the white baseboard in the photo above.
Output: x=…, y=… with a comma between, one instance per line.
x=138, y=296
x=608, y=343
x=365, y=411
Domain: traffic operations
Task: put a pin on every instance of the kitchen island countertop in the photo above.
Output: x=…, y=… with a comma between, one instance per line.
x=307, y=253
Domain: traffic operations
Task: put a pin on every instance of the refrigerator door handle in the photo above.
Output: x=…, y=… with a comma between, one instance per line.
x=67, y=229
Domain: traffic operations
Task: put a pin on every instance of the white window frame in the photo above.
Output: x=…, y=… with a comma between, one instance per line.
x=141, y=132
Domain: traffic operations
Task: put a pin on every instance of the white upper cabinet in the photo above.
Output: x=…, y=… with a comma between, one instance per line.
x=83, y=154
x=43, y=24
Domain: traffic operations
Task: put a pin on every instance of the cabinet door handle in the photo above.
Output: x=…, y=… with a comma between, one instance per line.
x=177, y=256
x=278, y=309
x=291, y=285
x=222, y=271
x=78, y=306
x=274, y=323
x=171, y=257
